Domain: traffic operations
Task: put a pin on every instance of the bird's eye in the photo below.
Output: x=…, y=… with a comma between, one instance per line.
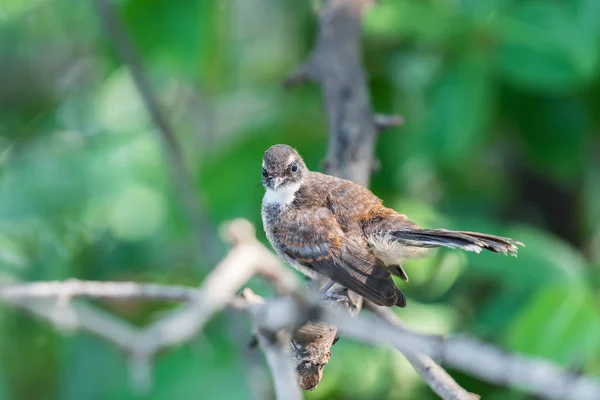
x=264, y=172
x=294, y=167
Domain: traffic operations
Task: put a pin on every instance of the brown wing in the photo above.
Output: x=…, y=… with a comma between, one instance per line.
x=316, y=240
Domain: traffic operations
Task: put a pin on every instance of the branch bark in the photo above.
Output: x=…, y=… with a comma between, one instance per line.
x=276, y=346
x=63, y=291
x=383, y=121
x=436, y=377
x=335, y=63
x=52, y=301
x=537, y=376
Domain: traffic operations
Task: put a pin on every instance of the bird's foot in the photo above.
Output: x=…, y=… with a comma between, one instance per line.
x=325, y=289
x=341, y=298
x=328, y=292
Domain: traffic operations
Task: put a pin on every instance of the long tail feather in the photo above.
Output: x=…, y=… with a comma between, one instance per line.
x=469, y=241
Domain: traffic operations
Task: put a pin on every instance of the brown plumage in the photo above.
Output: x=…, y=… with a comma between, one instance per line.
x=327, y=226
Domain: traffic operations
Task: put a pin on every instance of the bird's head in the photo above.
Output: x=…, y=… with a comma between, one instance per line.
x=282, y=168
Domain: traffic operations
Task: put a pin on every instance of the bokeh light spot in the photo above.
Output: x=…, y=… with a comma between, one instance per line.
x=137, y=213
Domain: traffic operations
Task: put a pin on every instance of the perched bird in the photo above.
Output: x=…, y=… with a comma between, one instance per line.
x=326, y=226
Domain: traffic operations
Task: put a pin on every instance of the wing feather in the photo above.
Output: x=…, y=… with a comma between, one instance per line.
x=316, y=240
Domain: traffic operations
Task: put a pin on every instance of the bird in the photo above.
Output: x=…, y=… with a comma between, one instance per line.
x=331, y=228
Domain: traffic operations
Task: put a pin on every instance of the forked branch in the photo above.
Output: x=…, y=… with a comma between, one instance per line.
x=53, y=301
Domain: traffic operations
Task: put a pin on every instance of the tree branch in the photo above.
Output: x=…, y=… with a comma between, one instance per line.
x=71, y=288
x=335, y=64
x=181, y=176
x=383, y=122
x=51, y=301
x=537, y=376
x=276, y=346
x=247, y=258
x=435, y=376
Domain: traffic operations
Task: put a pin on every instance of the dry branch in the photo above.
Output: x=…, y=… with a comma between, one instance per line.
x=535, y=375
x=247, y=258
x=383, y=121
x=435, y=376
x=51, y=301
x=276, y=346
x=335, y=64
x=71, y=288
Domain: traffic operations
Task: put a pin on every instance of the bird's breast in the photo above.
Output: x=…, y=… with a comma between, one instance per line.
x=273, y=218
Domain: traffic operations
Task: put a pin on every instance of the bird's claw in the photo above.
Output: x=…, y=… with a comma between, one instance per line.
x=339, y=298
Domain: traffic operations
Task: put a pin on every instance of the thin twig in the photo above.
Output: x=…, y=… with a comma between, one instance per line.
x=537, y=376
x=71, y=316
x=298, y=77
x=436, y=377
x=383, y=121
x=81, y=317
x=183, y=179
x=228, y=277
x=97, y=290
x=335, y=64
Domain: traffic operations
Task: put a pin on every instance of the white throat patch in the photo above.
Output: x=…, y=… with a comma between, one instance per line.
x=282, y=196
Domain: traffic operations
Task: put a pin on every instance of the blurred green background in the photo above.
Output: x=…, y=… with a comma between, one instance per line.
x=501, y=101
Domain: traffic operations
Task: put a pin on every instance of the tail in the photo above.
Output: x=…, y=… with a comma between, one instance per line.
x=469, y=241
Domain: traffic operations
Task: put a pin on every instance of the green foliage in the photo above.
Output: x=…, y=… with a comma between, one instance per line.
x=547, y=46
x=571, y=323
x=501, y=136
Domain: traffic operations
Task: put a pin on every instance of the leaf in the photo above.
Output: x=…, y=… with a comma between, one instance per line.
x=3, y=387
x=120, y=107
x=555, y=132
x=428, y=21
x=11, y=253
x=543, y=47
x=545, y=259
x=483, y=11
x=209, y=371
x=493, y=312
x=460, y=108
x=91, y=369
x=16, y=8
x=587, y=14
x=569, y=323
x=175, y=36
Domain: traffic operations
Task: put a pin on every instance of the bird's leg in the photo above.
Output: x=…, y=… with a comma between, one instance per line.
x=327, y=286
x=329, y=294
x=338, y=297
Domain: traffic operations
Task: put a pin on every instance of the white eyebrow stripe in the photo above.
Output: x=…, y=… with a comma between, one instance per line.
x=291, y=159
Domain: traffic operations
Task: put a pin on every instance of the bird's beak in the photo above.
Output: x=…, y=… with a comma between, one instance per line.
x=277, y=182
x=273, y=183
